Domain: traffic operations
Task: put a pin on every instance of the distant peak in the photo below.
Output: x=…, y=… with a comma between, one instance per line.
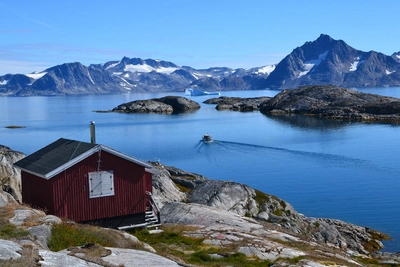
x=324, y=37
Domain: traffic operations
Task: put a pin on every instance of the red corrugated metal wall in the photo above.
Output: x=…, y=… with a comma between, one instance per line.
x=37, y=192
x=149, y=182
x=71, y=189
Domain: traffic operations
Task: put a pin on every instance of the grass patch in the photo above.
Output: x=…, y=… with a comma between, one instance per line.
x=67, y=235
x=183, y=188
x=173, y=243
x=8, y=230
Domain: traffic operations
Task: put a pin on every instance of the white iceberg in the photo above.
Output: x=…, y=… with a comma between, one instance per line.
x=197, y=92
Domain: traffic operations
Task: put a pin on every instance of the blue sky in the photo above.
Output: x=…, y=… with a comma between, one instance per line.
x=35, y=35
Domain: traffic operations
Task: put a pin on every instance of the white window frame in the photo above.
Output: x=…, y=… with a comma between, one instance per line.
x=101, y=184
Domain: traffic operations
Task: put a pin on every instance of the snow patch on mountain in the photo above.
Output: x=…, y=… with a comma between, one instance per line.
x=3, y=82
x=90, y=77
x=147, y=68
x=357, y=62
x=266, y=69
x=389, y=72
x=308, y=65
x=112, y=65
x=36, y=75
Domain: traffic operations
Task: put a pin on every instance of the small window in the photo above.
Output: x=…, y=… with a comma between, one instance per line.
x=101, y=184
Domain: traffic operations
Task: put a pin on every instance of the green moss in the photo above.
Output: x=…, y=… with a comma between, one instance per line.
x=278, y=212
x=183, y=188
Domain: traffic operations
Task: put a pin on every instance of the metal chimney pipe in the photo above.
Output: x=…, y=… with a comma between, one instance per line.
x=92, y=133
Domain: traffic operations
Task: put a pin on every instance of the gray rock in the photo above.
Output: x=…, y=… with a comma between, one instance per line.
x=22, y=215
x=51, y=220
x=41, y=234
x=9, y=250
x=164, y=189
x=6, y=198
x=264, y=216
x=196, y=214
x=55, y=259
x=226, y=195
x=137, y=258
x=10, y=177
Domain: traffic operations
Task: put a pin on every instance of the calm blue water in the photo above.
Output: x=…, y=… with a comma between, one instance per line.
x=347, y=171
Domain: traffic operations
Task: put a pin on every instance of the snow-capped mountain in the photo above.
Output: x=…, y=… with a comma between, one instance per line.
x=127, y=75
x=323, y=61
x=329, y=61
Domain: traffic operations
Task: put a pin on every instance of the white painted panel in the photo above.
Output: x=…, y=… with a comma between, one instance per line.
x=101, y=184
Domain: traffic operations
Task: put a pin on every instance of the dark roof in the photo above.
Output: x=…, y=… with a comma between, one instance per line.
x=63, y=153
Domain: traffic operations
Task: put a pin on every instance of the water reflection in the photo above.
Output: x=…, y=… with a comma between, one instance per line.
x=310, y=122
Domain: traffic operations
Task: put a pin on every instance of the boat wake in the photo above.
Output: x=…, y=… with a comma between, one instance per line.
x=269, y=151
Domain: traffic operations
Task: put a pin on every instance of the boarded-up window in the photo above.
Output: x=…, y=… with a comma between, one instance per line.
x=101, y=184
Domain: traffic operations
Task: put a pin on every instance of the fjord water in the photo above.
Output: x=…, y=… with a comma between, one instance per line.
x=342, y=170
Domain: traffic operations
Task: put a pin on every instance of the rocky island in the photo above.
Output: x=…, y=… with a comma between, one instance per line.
x=327, y=101
x=227, y=219
x=335, y=103
x=167, y=104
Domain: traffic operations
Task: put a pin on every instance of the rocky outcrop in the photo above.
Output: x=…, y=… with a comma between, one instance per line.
x=166, y=104
x=335, y=103
x=245, y=202
x=237, y=103
x=10, y=177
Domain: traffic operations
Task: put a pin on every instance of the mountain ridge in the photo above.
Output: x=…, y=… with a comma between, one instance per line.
x=319, y=62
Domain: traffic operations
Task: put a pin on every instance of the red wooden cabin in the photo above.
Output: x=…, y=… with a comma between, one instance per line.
x=87, y=182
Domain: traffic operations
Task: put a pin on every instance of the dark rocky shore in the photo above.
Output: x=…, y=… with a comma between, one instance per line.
x=237, y=103
x=321, y=101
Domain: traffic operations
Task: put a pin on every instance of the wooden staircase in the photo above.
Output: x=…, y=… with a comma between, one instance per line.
x=152, y=215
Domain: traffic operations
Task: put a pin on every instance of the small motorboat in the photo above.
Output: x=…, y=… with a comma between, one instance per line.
x=207, y=138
